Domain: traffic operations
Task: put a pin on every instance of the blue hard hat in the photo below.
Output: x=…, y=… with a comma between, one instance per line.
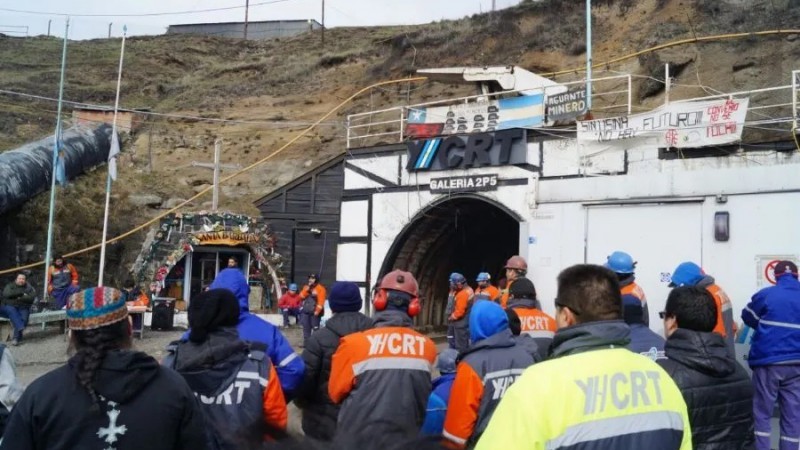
x=483, y=276
x=293, y=287
x=456, y=277
x=687, y=274
x=620, y=262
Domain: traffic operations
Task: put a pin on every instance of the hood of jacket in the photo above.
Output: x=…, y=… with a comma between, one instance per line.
x=234, y=281
x=590, y=336
x=486, y=319
x=206, y=366
x=703, y=352
x=706, y=281
x=345, y=323
x=627, y=280
x=391, y=318
x=501, y=339
x=123, y=374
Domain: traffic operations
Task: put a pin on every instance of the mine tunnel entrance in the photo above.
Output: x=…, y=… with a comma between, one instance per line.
x=467, y=234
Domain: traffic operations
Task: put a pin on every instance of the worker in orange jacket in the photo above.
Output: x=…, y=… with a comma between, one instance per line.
x=382, y=376
x=690, y=274
x=486, y=370
x=485, y=290
x=313, y=305
x=516, y=267
x=624, y=266
x=527, y=321
x=459, y=303
x=62, y=281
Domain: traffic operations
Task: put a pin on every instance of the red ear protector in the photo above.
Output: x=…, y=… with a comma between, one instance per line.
x=381, y=301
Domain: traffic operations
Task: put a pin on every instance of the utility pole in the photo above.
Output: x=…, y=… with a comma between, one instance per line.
x=246, y=11
x=588, y=55
x=109, y=29
x=216, y=167
x=494, y=5
x=323, y=23
x=48, y=27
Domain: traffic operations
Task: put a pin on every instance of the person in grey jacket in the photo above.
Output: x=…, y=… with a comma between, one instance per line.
x=18, y=297
x=319, y=412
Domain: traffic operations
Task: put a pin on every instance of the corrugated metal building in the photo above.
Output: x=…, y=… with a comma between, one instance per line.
x=267, y=29
x=304, y=216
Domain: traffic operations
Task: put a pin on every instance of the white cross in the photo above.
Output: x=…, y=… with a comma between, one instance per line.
x=112, y=431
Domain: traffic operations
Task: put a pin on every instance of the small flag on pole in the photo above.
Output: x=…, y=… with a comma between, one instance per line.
x=60, y=169
x=112, y=156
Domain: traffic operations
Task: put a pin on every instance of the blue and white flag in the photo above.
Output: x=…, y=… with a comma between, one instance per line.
x=113, y=152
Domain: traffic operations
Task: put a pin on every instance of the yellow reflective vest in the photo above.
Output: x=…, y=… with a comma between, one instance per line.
x=602, y=399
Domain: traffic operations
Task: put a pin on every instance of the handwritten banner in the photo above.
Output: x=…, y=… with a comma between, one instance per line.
x=678, y=125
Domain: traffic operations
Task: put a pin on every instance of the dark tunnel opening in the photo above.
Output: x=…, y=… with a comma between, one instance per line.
x=465, y=234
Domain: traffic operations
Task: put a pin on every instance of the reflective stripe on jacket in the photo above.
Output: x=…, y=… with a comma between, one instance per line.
x=382, y=375
x=591, y=395
x=484, y=374
x=774, y=314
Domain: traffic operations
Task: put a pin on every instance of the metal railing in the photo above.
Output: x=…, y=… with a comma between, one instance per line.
x=388, y=125
x=767, y=106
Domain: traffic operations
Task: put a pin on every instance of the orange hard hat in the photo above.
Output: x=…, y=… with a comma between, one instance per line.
x=516, y=262
x=398, y=280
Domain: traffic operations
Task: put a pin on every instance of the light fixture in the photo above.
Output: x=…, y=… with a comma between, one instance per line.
x=722, y=222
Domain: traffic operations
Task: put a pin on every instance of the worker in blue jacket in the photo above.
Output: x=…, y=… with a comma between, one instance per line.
x=774, y=314
x=440, y=395
x=288, y=365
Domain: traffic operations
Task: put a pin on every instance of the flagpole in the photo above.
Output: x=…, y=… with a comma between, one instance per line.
x=111, y=164
x=56, y=139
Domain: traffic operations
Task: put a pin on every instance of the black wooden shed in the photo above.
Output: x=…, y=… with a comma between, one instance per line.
x=304, y=216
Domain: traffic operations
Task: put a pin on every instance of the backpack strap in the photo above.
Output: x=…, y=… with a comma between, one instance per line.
x=258, y=351
x=171, y=356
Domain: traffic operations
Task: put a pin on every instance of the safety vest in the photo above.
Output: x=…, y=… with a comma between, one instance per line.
x=238, y=405
x=596, y=399
x=634, y=290
x=723, y=327
x=488, y=293
x=505, y=294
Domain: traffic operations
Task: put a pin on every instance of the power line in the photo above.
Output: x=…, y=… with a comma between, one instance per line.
x=174, y=13
x=273, y=123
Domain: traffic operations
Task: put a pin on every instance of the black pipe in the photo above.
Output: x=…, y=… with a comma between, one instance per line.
x=27, y=170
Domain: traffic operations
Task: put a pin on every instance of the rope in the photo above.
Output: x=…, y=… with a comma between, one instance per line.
x=225, y=179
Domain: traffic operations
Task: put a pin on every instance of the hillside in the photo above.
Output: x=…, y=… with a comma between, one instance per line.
x=258, y=95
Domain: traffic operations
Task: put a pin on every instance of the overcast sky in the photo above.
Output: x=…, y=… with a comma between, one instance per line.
x=338, y=13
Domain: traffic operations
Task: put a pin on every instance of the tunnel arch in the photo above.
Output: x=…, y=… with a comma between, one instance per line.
x=465, y=233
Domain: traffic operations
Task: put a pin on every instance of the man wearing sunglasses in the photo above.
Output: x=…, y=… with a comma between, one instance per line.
x=592, y=392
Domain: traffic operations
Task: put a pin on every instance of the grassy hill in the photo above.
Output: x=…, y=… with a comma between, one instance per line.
x=258, y=95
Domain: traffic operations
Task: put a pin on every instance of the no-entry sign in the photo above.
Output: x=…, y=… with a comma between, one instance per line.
x=769, y=271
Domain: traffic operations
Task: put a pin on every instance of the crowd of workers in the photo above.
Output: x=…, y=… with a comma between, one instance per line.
x=594, y=376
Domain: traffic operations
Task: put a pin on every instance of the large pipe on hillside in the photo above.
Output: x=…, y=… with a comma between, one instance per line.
x=26, y=171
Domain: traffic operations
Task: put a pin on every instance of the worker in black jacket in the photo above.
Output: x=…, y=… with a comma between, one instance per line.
x=717, y=390
x=319, y=412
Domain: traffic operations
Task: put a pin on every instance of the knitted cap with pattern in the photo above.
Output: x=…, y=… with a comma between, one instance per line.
x=95, y=308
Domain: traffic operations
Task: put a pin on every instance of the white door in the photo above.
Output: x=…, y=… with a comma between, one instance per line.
x=657, y=236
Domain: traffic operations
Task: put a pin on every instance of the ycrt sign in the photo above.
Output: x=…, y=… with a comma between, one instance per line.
x=500, y=148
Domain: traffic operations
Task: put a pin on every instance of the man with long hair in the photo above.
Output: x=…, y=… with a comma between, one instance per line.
x=107, y=396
